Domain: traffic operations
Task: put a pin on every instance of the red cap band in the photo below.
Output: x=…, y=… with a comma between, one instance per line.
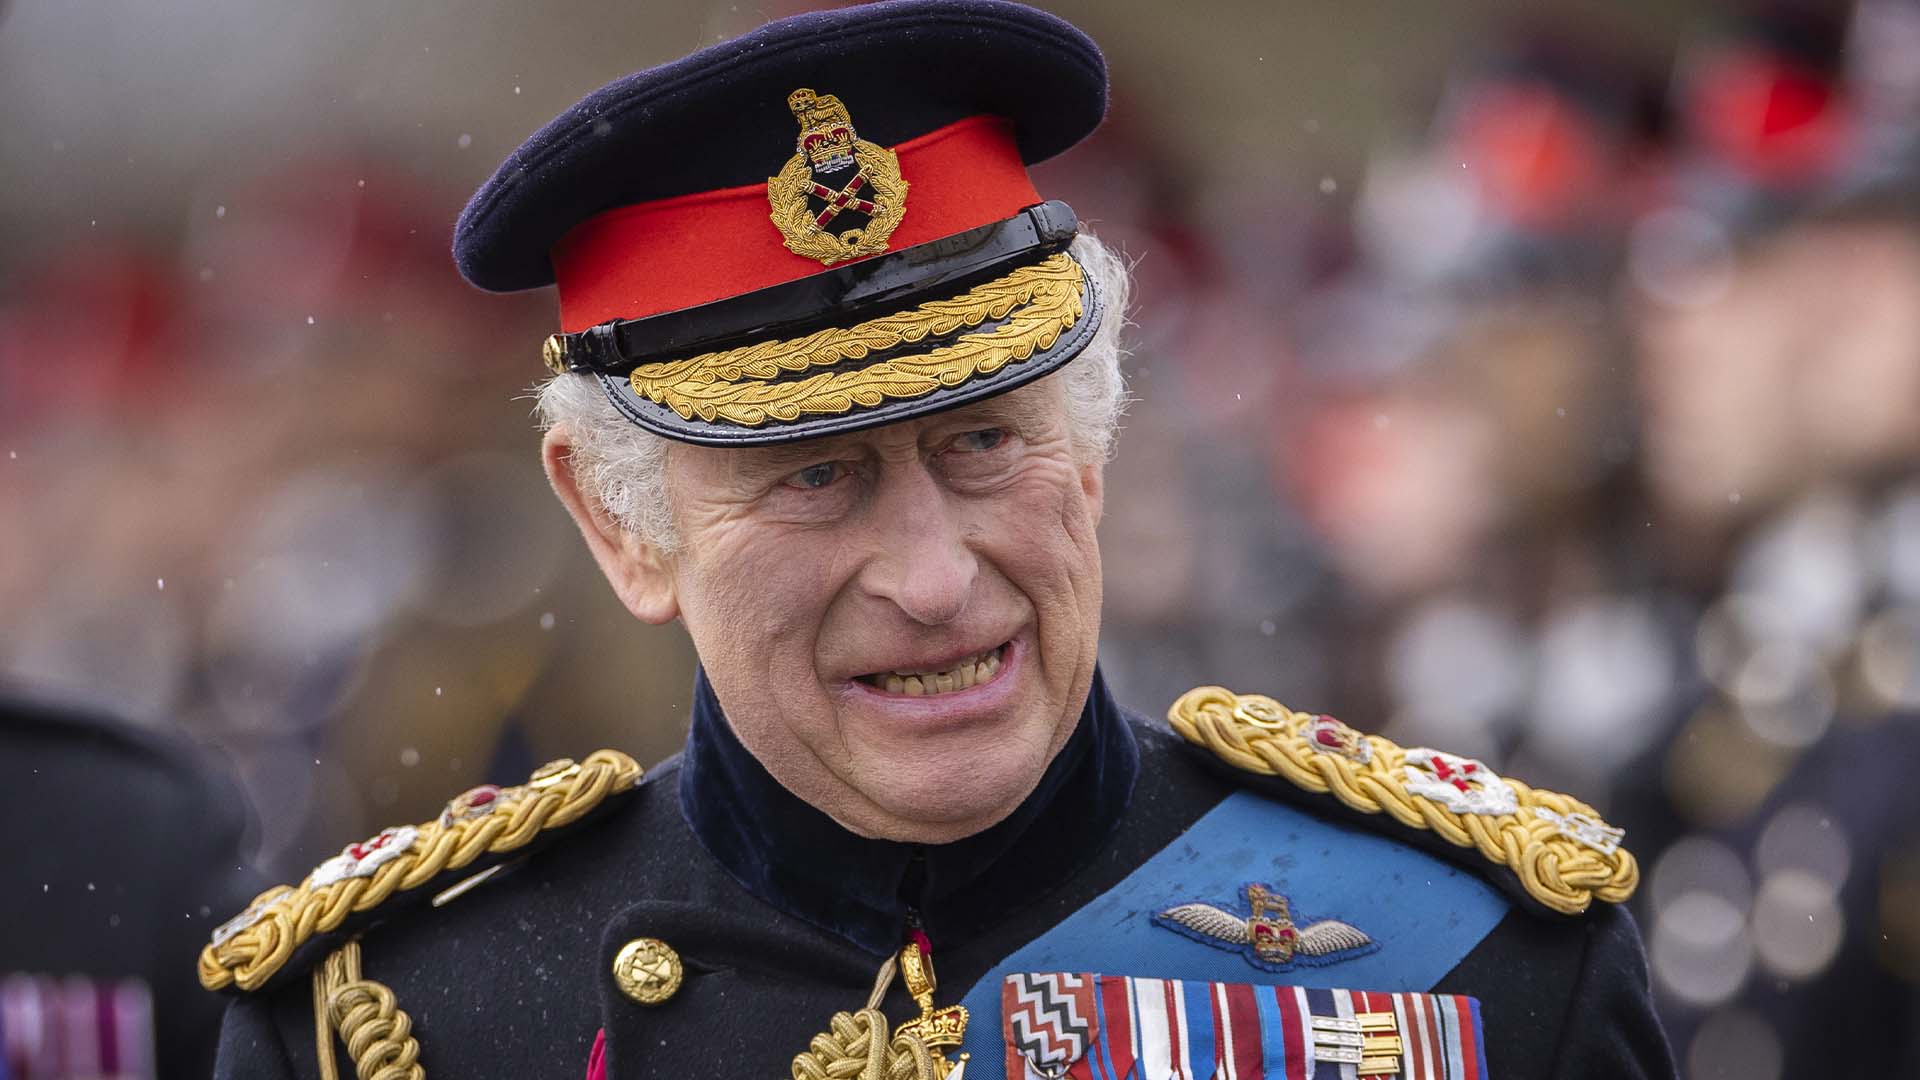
x=669, y=254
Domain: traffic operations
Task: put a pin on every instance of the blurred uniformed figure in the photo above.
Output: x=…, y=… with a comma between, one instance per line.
x=834, y=388
x=1721, y=630
x=1775, y=308
x=124, y=849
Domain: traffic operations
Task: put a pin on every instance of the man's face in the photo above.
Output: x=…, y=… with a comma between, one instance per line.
x=901, y=622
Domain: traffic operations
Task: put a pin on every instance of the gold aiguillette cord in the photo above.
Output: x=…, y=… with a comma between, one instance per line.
x=856, y=1045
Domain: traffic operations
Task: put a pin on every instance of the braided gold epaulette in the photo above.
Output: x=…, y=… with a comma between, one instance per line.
x=1562, y=853
x=247, y=950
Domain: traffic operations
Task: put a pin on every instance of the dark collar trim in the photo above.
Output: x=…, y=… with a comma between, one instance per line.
x=798, y=859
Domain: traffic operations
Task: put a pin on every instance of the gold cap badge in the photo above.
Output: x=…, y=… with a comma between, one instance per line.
x=837, y=197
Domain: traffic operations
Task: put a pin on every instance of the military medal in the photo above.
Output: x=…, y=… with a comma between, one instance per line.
x=1050, y=1020
x=1084, y=1026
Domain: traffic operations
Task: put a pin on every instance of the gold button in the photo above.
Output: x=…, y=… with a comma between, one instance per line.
x=1261, y=712
x=648, y=970
x=553, y=352
x=557, y=771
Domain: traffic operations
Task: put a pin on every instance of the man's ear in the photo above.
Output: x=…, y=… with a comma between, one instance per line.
x=640, y=575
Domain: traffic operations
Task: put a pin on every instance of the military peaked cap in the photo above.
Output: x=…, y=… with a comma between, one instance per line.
x=822, y=226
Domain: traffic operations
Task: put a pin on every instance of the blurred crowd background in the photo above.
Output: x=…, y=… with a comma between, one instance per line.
x=1539, y=380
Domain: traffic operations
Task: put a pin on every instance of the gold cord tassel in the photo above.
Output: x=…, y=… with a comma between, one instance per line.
x=855, y=1045
x=378, y=1033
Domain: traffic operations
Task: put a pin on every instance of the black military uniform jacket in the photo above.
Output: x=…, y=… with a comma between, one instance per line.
x=1132, y=858
x=125, y=845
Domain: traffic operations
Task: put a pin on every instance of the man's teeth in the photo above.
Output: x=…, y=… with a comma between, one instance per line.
x=973, y=670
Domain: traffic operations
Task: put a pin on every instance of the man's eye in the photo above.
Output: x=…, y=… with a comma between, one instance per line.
x=817, y=476
x=984, y=439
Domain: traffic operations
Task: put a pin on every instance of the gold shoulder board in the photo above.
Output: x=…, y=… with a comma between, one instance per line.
x=247, y=950
x=1558, y=848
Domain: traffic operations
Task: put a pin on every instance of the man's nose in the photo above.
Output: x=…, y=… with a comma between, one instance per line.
x=921, y=561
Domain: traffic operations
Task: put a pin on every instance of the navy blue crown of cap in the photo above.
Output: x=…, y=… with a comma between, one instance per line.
x=722, y=297
x=708, y=121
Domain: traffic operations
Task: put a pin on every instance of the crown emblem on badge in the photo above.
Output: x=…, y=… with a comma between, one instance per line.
x=1267, y=935
x=826, y=131
x=838, y=197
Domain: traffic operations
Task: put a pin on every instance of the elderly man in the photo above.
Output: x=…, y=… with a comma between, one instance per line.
x=834, y=390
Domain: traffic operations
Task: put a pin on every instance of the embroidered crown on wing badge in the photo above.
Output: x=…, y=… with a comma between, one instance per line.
x=1267, y=935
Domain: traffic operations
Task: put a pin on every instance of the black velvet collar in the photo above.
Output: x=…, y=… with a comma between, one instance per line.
x=799, y=860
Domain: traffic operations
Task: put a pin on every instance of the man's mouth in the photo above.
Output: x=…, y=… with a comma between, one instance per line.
x=962, y=675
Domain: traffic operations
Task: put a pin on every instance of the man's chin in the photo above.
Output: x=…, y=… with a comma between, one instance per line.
x=923, y=804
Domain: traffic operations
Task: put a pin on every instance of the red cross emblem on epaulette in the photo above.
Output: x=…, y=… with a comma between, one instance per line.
x=847, y=198
x=362, y=859
x=1457, y=775
x=1462, y=785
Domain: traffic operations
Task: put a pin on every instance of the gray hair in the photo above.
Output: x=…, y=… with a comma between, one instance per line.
x=623, y=468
